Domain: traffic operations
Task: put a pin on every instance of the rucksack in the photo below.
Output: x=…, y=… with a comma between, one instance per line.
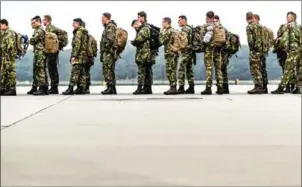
x=180, y=41
x=51, y=42
x=62, y=37
x=268, y=39
x=219, y=36
x=197, y=39
x=121, y=40
x=232, y=44
x=154, y=38
x=22, y=43
x=92, y=47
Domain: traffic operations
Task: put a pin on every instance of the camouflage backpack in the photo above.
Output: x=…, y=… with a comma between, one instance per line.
x=51, y=43
x=180, y=41
x=219, y=36
x=268, y=39
x=92, y=47
x=281, y=42
x=232, y=44
x=121, y=40
x=22, y=43
x=62, y=37
x=197, y=39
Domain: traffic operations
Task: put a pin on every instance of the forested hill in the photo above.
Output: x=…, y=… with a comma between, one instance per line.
x=127, y=69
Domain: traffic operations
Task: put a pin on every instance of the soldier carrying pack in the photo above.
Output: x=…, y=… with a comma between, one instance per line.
x=92, y=47
x=22, y=43
x=232, y=44
x=51, y=43
x=268, y=39
x=62, y=37
x=154, y=38
x=180, y=41
x=219, y=36
x=121, y=41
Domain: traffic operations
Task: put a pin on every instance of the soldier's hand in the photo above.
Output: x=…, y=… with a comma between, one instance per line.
x=72, y=61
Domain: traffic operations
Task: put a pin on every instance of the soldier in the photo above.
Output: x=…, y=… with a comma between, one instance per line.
x=39, y=67
x=108, y=47
x=8, y=64
x=187, y=57
x=171, y=57
x=263, y=59
x=254, y=36
x=212, y=56
x=78, y=58
x=293, y=53
x=145, y=51
x=225, y=63
x=52, y=59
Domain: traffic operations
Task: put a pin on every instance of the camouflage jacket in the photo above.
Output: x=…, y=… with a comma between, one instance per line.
x=294, y=33
x=51, y=28
x=8, y=45
x=188, y=30
x=166, y=39
x=254, y=37
x=79, y=47
x=142, y=43
x=108, y=41
x=38, y=39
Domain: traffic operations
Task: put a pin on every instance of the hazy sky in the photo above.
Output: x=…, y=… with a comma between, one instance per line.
x=232, y=14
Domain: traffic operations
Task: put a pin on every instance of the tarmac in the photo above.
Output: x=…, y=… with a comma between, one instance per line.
x=151, y=140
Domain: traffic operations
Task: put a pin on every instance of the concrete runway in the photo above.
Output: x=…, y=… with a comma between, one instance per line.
x=151, y=140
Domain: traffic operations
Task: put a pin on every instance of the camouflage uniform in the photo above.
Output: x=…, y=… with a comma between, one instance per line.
x=87, y=68
x=187, y=57
x=39, y=67
x=170, y=56
x=78, y=74
x=8, y=64
x=263, y=61
x=224, y=68
x=254, y=36
x=108, y=47
x=52, y=60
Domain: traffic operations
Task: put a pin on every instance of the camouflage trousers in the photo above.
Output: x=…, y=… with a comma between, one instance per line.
x=255, y=67
x=52, y=65
x=78, y=76
x=39, y=69
x=292, y=62
x=109, y=68
x=171, y=68
x=224, y=69
x=8, y=74
x=144, y=74
x=293, y=78
x=263, y=69
x=213, y=57
x=186, y=69
x=87, y=68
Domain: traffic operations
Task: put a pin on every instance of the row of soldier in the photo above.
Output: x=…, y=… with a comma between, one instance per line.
x=211, y=40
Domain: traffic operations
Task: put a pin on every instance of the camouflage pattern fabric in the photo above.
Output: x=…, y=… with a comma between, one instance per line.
x=79, y=49
x=51, y=28
x=148, y=74
x=39, y=64
x=142, y=43
x=255, y=67
x=109, y=68
x=292, y=61
x=78, y=76
x=263, y=69
x=8, y=51
x=213, y=57
x=186, y=64
x=140, y=74
x=87, y=68
x=224, y=68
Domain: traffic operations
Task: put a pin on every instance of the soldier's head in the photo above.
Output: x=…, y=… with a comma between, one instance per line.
x=210, y=16
x=136, y=24
x=3, y=24
x=106, y=18
x=77, y=22
x=291, y=16
x=182, y=20
x=84, y=24
x=166, y=22
x=256, y=18
x=142, y=17
x=249, y=17
x=36, y=21
x=46, y=20
x=216, y=19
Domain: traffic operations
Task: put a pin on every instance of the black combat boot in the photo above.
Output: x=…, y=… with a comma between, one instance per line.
x=279, y=90
x=207, y=91
x=264, y=89
x=79, y=91
x=33, y=89
x=109, y=91
x=114, y=89
x=219, y=90
x=225, y=87
x=292, y=87
x=69, y=91
x=296, y=91
x=53, y=90
x=87, y=90
x=43, y=90
x=287, y=89
x=181, y=89
x=171, y=91
x=10, y=92
x=147, y=89
x=256, y=90
x=139, y=90
x=2, y=91
x=190, y=90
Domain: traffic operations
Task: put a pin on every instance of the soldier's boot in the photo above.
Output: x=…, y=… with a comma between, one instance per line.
x=296, y=91
x=190, y=90
x=69, y=91
x=171, y=91
x=106, y=90
x=225, y=87
x=87, y=90
x=279, y=90
x=287, y=89
x=43, y=90
x=109, y=91
x=139, y=90
x=10, y=92
x=147, y=89
x=181, y=89
x=264, y=89
x=79, y=91
x=256, y=90
x=207, y=91
x=114, y=90
x=2, y=91
x=219, y=90
x=292, y=87
x=33, y=89
x=53, y=90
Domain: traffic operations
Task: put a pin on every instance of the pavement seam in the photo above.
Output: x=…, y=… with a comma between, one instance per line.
x=31, y=115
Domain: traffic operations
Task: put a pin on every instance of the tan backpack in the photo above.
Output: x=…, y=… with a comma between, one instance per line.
x=219, y=36
x=268, y=39
x=180, y=41
x=51, y=42
x=121, y=40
